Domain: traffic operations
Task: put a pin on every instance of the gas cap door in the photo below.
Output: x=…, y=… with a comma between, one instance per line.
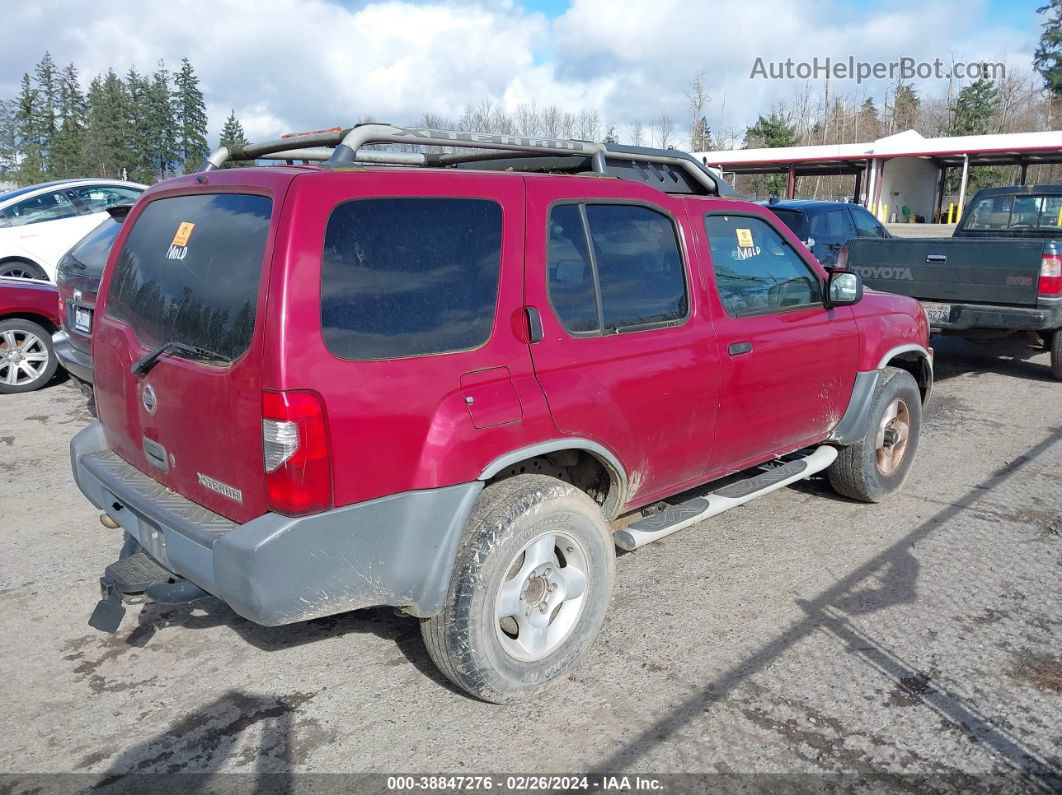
x=491, y=398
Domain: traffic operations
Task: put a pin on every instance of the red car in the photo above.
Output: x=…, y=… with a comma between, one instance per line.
x=438, y=388
x=29, y=314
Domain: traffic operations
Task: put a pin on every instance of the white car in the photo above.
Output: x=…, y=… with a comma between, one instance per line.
x=40, y=223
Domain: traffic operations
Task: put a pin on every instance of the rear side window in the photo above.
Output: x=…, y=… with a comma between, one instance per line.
x=631, y=276
x=796, y=221
x=410, y=276
x=756, y=271
x=831, y=225
x=89, y=255
x=190, y=270
x=45, y=207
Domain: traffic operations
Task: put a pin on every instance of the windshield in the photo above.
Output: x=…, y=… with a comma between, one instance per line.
x=190, y=269
x=1016, y=214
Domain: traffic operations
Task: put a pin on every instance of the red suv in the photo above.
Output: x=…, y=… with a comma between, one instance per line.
x=436, y=380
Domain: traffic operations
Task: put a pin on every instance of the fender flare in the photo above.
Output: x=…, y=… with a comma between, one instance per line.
x=617, y=493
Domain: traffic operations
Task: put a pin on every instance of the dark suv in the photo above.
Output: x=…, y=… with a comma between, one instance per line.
x=436, y=380
x=824, y=226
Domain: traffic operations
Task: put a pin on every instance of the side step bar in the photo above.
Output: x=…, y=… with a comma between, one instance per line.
x=678, y=517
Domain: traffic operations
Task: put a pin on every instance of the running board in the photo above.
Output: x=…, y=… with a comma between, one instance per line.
x=678, y=517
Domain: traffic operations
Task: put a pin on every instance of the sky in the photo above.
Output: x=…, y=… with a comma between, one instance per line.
x=288, y=65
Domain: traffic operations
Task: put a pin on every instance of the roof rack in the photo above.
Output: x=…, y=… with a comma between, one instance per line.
x=667, y=169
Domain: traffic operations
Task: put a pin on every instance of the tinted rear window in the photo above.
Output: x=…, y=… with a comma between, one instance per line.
x=89, y=255
x=190, y=270
x=410, y=277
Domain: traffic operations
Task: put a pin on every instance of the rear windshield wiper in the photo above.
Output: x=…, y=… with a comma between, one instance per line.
x=142, y=365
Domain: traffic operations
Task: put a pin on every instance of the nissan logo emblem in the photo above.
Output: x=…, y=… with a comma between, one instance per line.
x=149, y=400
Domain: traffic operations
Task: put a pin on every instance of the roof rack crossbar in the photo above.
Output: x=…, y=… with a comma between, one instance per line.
x=338, y=148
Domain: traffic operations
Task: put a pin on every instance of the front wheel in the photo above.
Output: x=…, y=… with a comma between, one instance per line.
x=876, y=465
x=529, y=592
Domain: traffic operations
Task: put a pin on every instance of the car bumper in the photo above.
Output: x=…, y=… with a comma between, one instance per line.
x=397, y=550
x=989, y=316
x=73, y=360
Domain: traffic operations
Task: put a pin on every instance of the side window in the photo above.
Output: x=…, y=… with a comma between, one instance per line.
x=410, y=276
x=572, y=289
x=756, y=272
x=35, y=210
x=866, y=224
x=831, y=226
x=632, y=278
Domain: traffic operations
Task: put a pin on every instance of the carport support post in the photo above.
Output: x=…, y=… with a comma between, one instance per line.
x=962, y=184
x=790, y=182
x=858, y=185
x=1024, y=171
x=939, y=218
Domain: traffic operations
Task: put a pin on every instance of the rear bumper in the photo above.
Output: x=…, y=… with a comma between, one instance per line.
x=397, y=550
x=989, y=316
x=73, y=360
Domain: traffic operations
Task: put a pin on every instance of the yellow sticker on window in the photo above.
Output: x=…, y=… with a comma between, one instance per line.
x=744, y=237
x=184, y=231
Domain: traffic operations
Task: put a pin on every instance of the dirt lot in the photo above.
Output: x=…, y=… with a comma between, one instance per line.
x=803, y=633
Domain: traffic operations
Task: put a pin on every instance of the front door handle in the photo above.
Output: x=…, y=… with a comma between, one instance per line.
x=738, y=348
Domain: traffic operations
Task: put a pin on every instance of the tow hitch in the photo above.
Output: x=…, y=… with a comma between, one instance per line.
x=137, y=579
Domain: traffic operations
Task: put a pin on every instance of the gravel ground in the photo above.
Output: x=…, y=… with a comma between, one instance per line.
x=913, y=643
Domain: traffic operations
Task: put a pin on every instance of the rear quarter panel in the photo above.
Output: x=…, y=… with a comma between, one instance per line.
x=29, y=298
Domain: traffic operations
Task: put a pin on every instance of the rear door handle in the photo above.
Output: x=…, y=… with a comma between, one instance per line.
x=738, y=348
x=936, y=258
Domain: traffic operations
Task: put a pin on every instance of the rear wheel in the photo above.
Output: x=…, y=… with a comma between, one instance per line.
x=27, y=361
x=1054, y=345
x=22, y=269
x=876, y=465
x=531, y=585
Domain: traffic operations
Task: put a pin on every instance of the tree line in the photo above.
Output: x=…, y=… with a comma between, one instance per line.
x=136, y=126
x=149, y=127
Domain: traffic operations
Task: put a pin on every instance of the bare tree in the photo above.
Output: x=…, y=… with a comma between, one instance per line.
x=551, y=122
x=588, y=125
x=697, y=99
x=636, y=133
x=663, y=130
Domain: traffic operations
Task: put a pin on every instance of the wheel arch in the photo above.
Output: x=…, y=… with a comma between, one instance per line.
x=916, y=360
x=44, y=322
x=604, y=458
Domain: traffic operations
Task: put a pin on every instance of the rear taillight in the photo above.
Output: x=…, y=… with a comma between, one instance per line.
x=295, y=452
x=842, y=258
x=1050, y=275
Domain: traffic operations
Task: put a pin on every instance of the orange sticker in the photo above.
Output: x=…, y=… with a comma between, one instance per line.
x=184, y=231
x=744, y=237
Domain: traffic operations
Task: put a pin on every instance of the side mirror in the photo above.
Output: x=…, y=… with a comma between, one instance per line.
x=844, y=288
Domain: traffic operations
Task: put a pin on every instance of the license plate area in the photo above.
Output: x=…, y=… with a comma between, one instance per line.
x=83, y=319
x=937, y=314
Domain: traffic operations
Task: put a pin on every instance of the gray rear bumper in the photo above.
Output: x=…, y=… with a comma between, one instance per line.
x=397, y=550
x=74, y=361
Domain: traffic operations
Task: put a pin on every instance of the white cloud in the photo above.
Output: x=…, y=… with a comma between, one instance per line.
x=305, y=64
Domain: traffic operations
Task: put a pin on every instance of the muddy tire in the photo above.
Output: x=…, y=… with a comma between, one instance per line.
x=530, y=589
x=876, y=466
x=1054, y=345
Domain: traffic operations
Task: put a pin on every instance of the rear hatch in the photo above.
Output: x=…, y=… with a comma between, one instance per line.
x=955, y=270
x=187, y=281
x=78, y=277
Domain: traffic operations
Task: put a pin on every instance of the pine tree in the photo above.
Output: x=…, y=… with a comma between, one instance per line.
x=868, y=123
x=31, y=166
x=162, y=127
x=47, y=80
x=190, y=112
x=1047, y=60
x=905, y=109
x=9, y=146
x=975, y=108
x=68, y=148
x=770, y=131
x=232, y=135
x=140, y=161
x=108, y=126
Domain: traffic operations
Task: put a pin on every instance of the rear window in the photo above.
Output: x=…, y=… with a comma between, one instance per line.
x=1016, y=213
x=190, y=269
x=89, y=255
x=410, y=276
